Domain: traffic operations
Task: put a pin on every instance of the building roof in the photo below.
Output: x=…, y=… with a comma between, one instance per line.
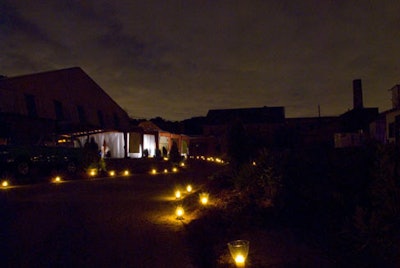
x=72, y=83
x=247, y=115
x=149, y=126
x=72, y=87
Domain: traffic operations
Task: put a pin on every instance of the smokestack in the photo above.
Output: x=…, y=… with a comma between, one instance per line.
x=357, y=94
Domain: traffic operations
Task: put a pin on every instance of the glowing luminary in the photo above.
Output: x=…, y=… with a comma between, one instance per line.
x=175, y=169
x=178, y=194
x=179, y=212
x=189, y=188
x=182, y=164
x=239, y=250
x=204, y=198
x=154, y=171
x=165, y=170
x=126, y=172
x=92, y=172
x=111, y=173
x=56, y=179
x=5, y=183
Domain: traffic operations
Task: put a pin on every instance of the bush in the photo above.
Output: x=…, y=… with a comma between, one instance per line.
x=174, y=154
x=261, y=180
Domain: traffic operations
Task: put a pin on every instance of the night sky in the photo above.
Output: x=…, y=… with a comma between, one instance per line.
x=178, y=59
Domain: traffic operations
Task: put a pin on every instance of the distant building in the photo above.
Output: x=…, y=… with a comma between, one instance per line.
x=386, y=128
x=311, y=131
x=260, y=123
x=355, y=124
x=156, y=139
x=58, y=105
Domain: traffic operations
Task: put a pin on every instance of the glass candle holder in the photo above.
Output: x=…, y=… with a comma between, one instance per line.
x=239, y=250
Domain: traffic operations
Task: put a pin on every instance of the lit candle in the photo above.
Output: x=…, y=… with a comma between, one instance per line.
x=240, y=260
x=204, y=198
x=92, y=172
x=189, y=188
x=239, y=250
x=179, y=212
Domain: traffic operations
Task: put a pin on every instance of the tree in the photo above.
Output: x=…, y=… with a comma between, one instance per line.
x=174, y=154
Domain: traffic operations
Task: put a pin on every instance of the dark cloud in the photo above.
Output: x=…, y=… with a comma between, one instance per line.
x=178, y=59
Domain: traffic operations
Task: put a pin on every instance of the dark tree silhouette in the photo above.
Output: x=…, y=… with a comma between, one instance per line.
x=174, y=154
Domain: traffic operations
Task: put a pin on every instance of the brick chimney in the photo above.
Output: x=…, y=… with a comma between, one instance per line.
x=357, y=94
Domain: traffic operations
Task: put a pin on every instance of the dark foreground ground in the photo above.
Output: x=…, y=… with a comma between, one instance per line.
x=130, y=222
x=106, y=222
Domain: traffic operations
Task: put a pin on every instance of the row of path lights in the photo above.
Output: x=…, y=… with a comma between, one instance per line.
x=209, y=159
x=154, y=171
x=94, y=172
x=238, y=249
x=180, y=211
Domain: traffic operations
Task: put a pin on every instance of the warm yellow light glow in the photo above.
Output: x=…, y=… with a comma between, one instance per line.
x=166, y=158
x=111, y=173
x=175, y=169
x=254, y=163
x=179, y=212
x=204, y=198
x=154, y=171
x=177, y=194
x=189, y=188
x=92, y=172
x=57, y=179
x=239, y=250
x=5, y=183
x=165, y=170
x=126, y=173
x=182, y=164
x=239, y=259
